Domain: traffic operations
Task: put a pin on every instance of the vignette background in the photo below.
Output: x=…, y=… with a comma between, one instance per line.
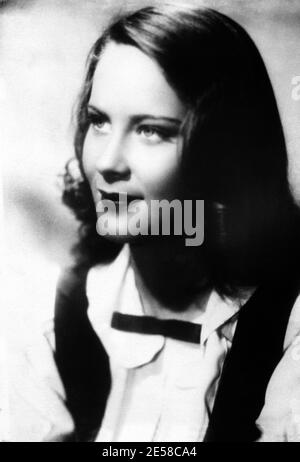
x=43, y=48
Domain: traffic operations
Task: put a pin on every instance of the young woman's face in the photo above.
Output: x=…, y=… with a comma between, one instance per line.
x=133, y=142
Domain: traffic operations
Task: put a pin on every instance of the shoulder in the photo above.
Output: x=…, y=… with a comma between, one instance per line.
x=36, y=396
x=37, y=410
x=280, y=417
x=75, y=281
x=293, y=328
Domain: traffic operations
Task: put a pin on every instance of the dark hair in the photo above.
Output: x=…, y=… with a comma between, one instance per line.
x=234, y=153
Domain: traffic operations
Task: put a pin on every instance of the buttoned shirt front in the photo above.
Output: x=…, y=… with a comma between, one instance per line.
x=165, y=385
x=162, y=389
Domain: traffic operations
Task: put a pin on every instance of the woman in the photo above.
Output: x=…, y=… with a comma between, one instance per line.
x=177, y=105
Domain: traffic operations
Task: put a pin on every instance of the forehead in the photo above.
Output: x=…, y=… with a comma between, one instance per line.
x=127, y=79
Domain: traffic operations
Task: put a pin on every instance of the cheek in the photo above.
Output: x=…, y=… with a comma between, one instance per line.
x=88, y=160
x=89, y=166
x=159, y=173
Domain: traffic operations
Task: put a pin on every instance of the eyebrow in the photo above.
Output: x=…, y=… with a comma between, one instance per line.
x=139, y=117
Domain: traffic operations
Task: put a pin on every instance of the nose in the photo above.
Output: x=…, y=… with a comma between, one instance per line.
x=111, y=162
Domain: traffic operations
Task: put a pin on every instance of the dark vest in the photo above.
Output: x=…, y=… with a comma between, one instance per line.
x=256, y=350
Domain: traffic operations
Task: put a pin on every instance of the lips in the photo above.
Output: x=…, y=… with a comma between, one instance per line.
x=118, y=197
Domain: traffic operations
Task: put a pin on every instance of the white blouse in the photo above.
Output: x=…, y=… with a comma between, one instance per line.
x=162, y=389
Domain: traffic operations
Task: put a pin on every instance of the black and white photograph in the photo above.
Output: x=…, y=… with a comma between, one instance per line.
x=150, y=223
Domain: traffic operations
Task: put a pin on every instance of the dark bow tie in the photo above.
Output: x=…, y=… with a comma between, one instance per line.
x=179, y=330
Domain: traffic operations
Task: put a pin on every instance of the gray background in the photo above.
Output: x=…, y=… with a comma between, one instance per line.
x=43, y=47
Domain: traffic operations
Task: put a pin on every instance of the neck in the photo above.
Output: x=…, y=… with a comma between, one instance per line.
x=169, y=275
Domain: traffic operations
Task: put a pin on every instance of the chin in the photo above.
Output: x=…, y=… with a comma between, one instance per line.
x=117, y=231
x=123, y=227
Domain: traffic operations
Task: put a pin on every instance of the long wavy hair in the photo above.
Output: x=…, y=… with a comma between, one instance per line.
x=234, y=154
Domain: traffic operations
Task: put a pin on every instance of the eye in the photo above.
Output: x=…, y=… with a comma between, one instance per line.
x=99, y=123
x=154, y=134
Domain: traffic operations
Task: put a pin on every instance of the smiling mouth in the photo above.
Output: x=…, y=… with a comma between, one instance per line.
x=119, y=198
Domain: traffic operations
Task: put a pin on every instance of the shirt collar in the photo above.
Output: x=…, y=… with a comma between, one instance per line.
x=111, y=287
x=221, y=314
